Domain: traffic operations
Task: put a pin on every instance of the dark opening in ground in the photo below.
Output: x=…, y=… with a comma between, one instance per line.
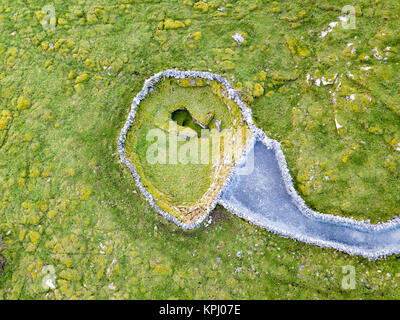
x=183, y=118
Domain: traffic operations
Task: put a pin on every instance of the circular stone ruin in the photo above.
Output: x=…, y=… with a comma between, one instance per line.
x=184, y=135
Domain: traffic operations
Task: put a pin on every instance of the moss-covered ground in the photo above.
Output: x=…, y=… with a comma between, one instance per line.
x=179, y=173
x=66, y=201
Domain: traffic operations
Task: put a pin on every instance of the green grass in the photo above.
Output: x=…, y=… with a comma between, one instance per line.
x=66, y=201
x=182, y=184
x=201, y=103
x=2, y=260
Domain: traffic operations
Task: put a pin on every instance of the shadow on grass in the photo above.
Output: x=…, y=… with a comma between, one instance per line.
x=2, y=259
x=220, y=214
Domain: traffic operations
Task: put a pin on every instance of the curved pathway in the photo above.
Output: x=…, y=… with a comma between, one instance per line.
x=262, y=198
x=265, y=195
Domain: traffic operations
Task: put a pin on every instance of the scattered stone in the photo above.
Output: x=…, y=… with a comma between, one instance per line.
x=218, y=124
x=238, y=38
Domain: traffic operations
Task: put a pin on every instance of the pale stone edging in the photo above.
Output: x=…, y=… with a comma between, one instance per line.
x=147, y=89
